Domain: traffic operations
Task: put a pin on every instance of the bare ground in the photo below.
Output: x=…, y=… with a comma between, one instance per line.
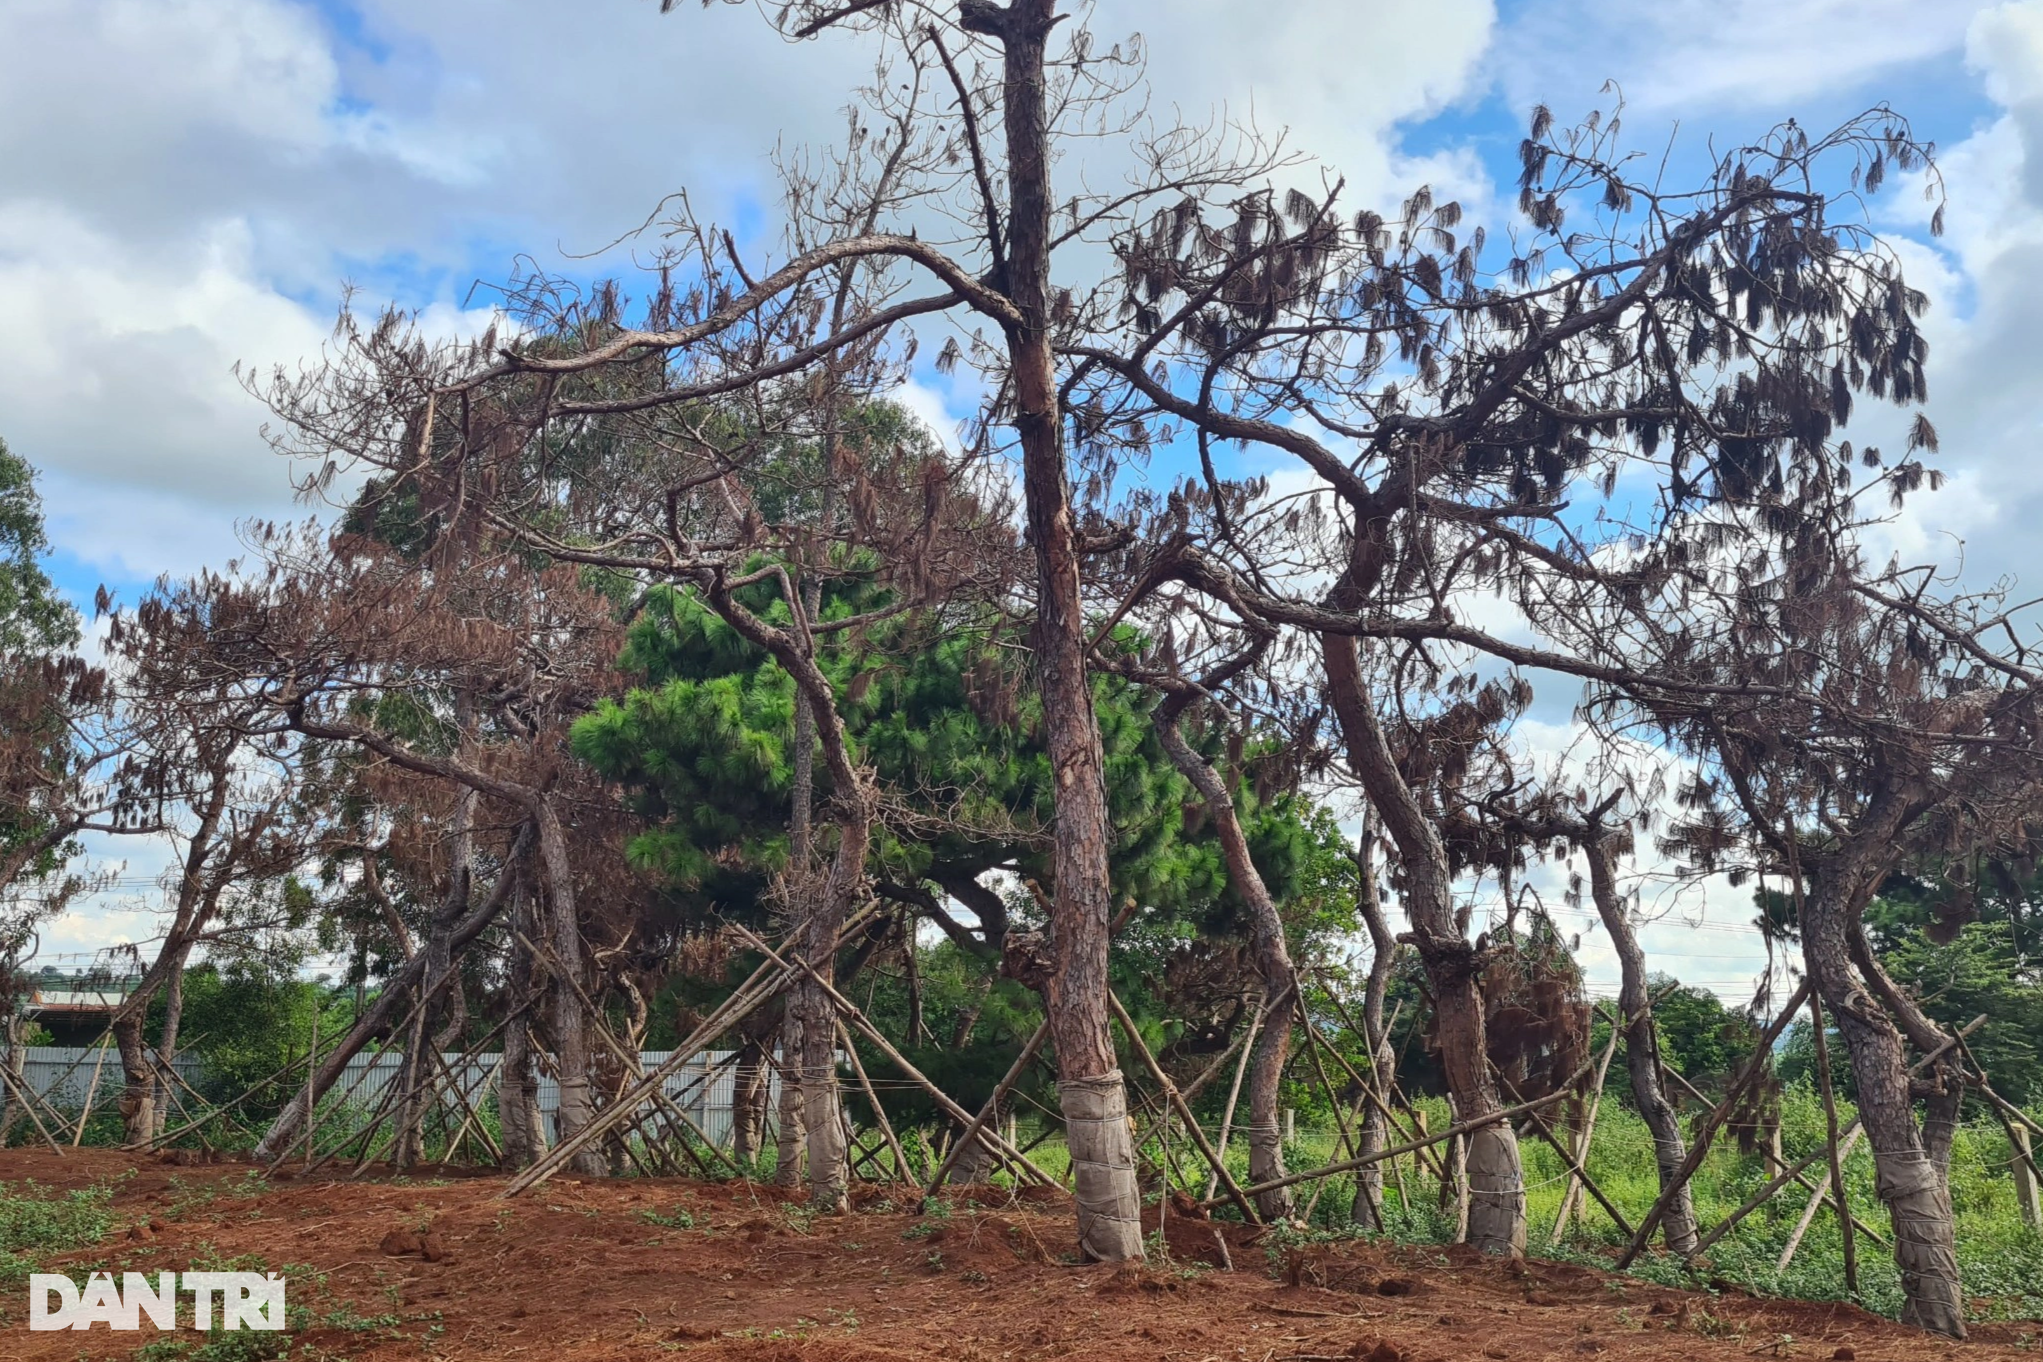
x=580, y=1270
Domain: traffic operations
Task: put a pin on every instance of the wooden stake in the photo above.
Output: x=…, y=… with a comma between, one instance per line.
x=1571, y=1196
x=879, y=1112
x=636, y=1068
x=1851, y=1257
x=91, y=1090
x=1170, y=1092
x=1699, y=1146
x=2025, y=1177
x=312, y=1068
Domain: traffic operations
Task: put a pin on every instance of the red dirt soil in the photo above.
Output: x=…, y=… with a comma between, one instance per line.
x=576, y=1270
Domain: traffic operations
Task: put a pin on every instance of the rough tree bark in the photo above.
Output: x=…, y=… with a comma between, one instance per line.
x=1090, y=1087
x=196, y=899
x=524, y=1135
x=1496, y=1180
x=420, y=1072
x=567, y=983
x=1368, y=1207
x=788, y=1132
x=1641, y=1038
x=1272, y=955
x=1911, y=1162
x=166, y=1040
x=749, y=1088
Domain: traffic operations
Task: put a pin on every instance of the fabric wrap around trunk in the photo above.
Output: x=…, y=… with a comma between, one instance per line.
x=1102, y=1166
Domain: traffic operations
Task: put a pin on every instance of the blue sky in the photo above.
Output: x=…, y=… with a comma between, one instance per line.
x=188, y=183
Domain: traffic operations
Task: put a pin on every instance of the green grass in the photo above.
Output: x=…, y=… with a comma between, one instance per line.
x=2000, y=1259
x=37, y=1221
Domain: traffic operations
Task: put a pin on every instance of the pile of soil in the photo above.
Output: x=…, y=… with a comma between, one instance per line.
x=446, y=1267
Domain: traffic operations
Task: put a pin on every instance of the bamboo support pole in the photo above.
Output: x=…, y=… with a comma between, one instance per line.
x=987, y=1112
x=1851, y=1257
x=2017, y=1125
x=865, y=1085
x=1699, y=1143
x=91, y=1091
x=1234, y=1092
x=858, y=1019
x=1774, y=1160
x=1459, y=1128
x=1170, y=1092
x=761, y=985
x=1818, y=1199
x=636, y=1068
x=1766, y=1193
x=1381, y=1099
x=1571, y=1195
x=19, y=1089
x=1313, y=1045
x=1574, y=1165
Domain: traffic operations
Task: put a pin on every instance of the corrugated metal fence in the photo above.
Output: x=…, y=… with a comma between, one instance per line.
x=63, y=1074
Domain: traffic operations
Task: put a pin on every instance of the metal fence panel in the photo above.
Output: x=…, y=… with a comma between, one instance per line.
x=62, y=1075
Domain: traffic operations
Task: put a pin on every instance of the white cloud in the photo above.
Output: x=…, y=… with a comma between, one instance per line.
x=1985, y=325
x=1691, y=56
x=115, y=364
x=185, y=183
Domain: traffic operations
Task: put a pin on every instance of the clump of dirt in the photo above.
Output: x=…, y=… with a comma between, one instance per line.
x=599, y=1271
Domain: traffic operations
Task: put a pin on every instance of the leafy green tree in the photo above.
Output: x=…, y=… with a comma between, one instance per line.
x=44, y=691
x=34, y=616
x=1701, y=1038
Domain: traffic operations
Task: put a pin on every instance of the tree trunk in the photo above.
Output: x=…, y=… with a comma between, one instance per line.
x=1909, y=1162
x=748, y=1100
x=166, y=1042
x=1641, y=1042
x=569, y=1024
x=975, y=1162
x=1090, y=1087
x=1273, y=961
x=420, y=1071
x=523, y=1139
x=11, y=1107
x=138, y=1089
x=522, y=1136
x=788, y=1141
x=1368, y=1207
x=822, y=1111
x=1496, y=1222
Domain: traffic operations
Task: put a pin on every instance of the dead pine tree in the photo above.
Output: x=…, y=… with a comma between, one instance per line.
x=1447, y=403
x=1844, y=719
x=995, y=91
